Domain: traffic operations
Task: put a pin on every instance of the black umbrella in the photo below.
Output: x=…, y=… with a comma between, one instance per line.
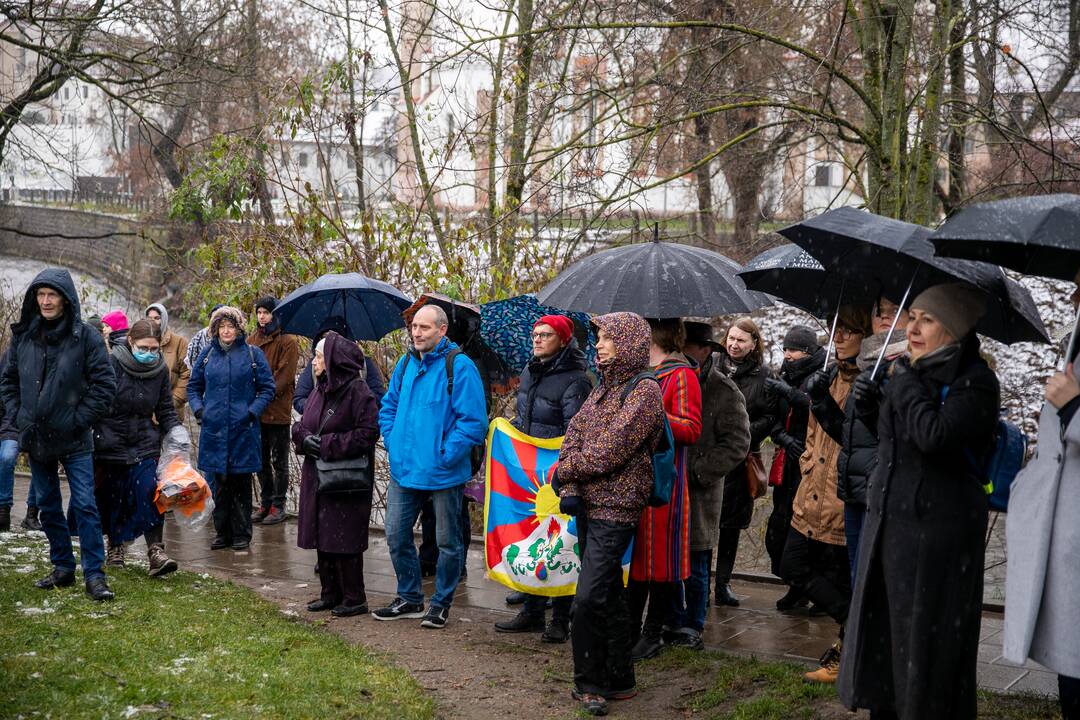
x=370, y=308
x=789, y=273
x=1034, y=235
x=654, y=279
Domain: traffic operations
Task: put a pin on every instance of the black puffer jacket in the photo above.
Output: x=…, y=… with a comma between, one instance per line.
x=128, y=433
x=858, y=444
x=7, y=421
x=552, y=392
x=57, y=382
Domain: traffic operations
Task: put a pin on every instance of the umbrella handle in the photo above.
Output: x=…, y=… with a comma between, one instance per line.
x=832, y=331
x=1072, y=343
x=892, y=328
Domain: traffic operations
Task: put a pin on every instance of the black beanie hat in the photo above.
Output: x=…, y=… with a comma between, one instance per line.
x=801, y=337
x=268, y=303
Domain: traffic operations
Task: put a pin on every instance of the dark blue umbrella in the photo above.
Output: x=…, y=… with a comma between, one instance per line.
x=789, y=273
x=370, y=308
x=506, y=327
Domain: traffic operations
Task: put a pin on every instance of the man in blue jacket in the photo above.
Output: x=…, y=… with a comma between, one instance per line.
x=432, y=416
x=56, y=384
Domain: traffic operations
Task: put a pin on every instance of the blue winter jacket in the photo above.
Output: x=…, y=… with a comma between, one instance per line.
x=231, y=394
x=429, y=434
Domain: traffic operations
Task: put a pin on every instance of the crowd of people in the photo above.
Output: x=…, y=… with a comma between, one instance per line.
x=878, y=513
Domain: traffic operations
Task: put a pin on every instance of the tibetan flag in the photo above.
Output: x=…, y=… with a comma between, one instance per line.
x=528, y=544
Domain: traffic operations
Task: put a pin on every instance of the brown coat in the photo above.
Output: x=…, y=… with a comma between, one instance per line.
x=282, y=353
x=817, y=512
x=606, y=453
x=173, y=349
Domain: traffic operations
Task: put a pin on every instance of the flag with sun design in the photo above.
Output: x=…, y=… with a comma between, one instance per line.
x=528, y=544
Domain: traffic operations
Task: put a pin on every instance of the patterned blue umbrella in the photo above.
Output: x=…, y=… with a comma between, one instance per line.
x=506, y=327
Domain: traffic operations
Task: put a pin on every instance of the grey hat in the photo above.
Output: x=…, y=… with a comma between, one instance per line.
x=801, y=337
x=702, y=333
x=957, y=306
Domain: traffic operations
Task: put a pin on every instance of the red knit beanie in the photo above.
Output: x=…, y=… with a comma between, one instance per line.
x=562, y=325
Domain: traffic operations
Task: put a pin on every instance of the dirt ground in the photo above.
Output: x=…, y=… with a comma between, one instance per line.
x=475, y=673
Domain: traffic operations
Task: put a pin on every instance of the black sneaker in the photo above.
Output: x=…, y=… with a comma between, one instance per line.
x=649, y=645
x=684, y=638
x=435, y=618
x=558, y=631
x=399, y=610
x=523, y=622
x=791, y=600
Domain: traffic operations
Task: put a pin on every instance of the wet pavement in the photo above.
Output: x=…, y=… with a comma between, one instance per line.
x=756, y=627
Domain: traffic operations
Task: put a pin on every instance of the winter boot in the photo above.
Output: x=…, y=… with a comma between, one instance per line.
x=830, y=666
x=115, y=555
x=5, y=518
x=259, y=515
x=160, y=563
x=276, y=516
x=31, y=521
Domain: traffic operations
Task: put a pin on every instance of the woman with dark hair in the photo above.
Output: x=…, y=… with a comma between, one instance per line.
x=744, y=363
x=661, y=558
x=127, y=443
x=340, y=422
x=913, y=631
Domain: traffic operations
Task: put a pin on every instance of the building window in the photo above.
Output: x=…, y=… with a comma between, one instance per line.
x=350, y=161
x=67, y=93
x=823, y=175
x=302, y=160
x=85, y=92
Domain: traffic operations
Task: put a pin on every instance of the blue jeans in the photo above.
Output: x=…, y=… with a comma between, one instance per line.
x=45, y=480
x=9, y=453
x=853, y=522
x=402, y=509
x=691, y=616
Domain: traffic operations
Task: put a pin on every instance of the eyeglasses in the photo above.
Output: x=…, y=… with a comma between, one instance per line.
x=543, y=335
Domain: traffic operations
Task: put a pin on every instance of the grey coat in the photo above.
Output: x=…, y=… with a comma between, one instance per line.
x=723, y=444
x=1042, y=585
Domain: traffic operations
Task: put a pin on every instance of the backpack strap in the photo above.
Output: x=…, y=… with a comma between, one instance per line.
x=254, y=367
x=646, y=375
x=450, y=356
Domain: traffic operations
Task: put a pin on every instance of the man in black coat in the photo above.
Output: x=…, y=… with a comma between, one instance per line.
x=56, y=384
x=552, y=390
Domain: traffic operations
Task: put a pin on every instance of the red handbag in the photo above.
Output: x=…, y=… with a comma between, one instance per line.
x=776, y=470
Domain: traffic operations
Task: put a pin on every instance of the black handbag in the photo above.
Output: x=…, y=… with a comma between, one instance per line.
x=342, y=477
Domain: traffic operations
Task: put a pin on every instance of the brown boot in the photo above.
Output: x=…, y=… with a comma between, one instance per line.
x=830, y=666
x=160, y=563
x=115, y=555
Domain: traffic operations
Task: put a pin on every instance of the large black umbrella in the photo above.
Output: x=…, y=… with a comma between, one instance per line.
x=654, y=279
x=789, y=273
x=1035, y=235
x=370, y=308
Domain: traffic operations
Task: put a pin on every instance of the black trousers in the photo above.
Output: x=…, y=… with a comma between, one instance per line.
x=232, y=507
x=776, y=530
x=560, y=606
x=1069, y=691
x=821, y=571
x=601, y=635
x=274, y=476
x=429, y=548
x=342, y=577
x=660, y=597
x=726, y=550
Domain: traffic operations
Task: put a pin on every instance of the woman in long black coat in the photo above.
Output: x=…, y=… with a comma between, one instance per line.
x=336, y=526
x=744, y=362
x=913, y=630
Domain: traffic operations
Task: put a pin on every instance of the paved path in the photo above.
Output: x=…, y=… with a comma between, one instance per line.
x=756, y=627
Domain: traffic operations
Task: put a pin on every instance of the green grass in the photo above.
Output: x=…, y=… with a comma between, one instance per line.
x=187, y=646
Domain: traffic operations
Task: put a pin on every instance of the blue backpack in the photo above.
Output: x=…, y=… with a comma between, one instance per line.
x=663, y=458
x=1002, y=464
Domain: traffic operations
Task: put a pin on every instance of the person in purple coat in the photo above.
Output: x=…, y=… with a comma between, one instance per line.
x=336, y=526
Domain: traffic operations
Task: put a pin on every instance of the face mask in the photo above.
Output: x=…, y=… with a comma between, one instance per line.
x=147, y=357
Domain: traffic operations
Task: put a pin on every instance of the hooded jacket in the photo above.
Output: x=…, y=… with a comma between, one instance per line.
x=282, y=352
x=174, y=347
x=141, y=413
x=429, y=433
x=230, y=388
x=605, y=457
x=305, y=383
x=57, y=382
x=7, y=421
x=551, y=392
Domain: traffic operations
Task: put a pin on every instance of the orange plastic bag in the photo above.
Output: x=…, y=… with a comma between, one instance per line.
x=182, y=489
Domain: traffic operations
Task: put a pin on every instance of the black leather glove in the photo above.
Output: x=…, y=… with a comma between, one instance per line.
x=777, y=387
x=554, y=481
x=790, y=443
x=311, y=444
x=867, y=395
x=198, y=416
x=817, y=387
x=571, y=505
